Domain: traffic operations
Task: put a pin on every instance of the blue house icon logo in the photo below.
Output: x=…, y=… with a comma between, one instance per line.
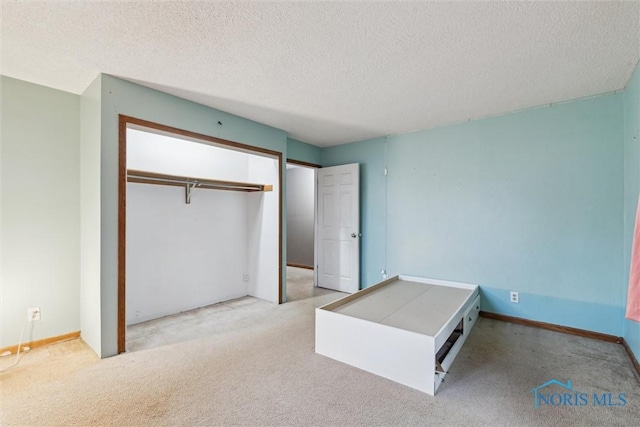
x=537, y=395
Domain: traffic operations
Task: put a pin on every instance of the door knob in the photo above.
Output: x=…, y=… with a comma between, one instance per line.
x=353, y=235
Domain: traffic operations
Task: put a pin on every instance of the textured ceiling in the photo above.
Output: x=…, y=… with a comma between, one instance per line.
x=330, y=73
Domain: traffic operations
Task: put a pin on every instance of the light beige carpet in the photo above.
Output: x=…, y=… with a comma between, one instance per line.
x=300, y=285
x=263, y=371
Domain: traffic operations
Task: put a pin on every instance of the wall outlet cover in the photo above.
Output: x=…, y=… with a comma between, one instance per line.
x=514, y=297
x=33, y=314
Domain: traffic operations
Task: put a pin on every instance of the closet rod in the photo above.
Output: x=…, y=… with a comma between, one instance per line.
x=143, y=177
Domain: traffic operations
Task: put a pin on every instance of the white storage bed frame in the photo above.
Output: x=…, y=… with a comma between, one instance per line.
x=407, y=329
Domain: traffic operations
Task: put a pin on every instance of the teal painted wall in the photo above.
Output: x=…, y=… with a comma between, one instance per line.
x=370, y=155
x=530, y=202
x=122, y=97
x=40, y=200
x=631, y=189
x=301, y=151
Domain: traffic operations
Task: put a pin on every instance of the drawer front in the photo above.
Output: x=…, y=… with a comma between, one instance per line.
x=472, y=314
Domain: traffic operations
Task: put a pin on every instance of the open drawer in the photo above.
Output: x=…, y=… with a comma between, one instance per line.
x=449, y=350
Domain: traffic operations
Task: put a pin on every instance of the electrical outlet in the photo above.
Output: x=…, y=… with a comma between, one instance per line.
x=245, y=277
x=515, y=297
x=33, y=314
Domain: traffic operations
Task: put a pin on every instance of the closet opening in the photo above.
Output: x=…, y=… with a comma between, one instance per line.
x=199, y=224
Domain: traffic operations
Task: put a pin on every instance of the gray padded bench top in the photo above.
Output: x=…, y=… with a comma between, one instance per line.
x=417, y=307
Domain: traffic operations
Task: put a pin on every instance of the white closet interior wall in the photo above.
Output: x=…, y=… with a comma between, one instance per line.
x=183, y=256
x=263, y=230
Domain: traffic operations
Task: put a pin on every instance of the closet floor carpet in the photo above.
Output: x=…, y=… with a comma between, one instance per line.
x=217, y=317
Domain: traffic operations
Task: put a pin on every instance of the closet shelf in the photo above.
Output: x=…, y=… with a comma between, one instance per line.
x=189, y=183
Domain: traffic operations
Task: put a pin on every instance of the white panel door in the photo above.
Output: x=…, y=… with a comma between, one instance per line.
x=338, y=242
